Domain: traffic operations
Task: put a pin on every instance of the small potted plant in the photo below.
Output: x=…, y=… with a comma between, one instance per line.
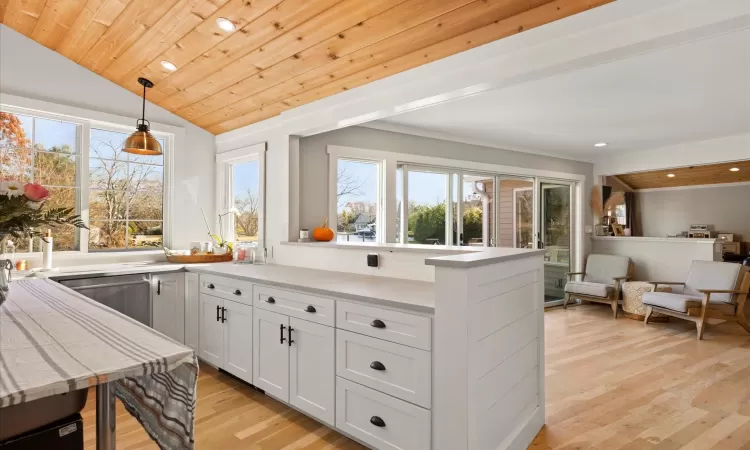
x=22, y=215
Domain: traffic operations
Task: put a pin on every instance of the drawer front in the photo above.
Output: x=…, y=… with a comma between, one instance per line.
x=380, y=420
x=394, y=326
x=228, y=288
x=398, y=370
x=295, y=304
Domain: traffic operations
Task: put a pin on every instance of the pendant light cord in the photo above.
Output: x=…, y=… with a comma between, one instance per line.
x=143, y=114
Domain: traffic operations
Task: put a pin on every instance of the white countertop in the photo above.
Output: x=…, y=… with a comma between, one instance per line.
x=654, y=239
x=412, y=295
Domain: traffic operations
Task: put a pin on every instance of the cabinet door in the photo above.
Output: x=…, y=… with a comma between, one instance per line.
x=192, y=311
x=311, y=369
x=271, y=353
x=211, y=330
x=168, y=304
x=237, y=319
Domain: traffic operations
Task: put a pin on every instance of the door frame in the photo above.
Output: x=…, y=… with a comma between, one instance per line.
x=576, y=225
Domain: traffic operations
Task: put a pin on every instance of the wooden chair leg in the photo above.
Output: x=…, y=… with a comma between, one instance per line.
x=741, y=299
x=614, y=308
x=649, y=311
x=566, y=300
x=700, y=324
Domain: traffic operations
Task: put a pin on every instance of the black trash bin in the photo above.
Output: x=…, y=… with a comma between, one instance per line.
x=65, y=434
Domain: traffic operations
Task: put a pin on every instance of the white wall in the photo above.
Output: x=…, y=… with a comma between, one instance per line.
x=28, y=69
x=671, y=211
x=313, y=161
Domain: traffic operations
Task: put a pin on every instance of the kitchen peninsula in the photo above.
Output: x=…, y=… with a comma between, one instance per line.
x=454, y=364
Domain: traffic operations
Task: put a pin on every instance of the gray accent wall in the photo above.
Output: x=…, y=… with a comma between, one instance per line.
x=672, y=211
x=314, y=161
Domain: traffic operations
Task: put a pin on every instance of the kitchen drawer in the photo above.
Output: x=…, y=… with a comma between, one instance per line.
x=295, y=304
x=379, y=420
x=395, y=369
x=228, y=288
x=394, y=326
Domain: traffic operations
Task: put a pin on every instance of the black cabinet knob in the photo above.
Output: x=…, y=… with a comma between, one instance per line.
x=237, y=292
x=210, y=286
x=310, y=309
x=377, y=323
x=377, y=421
x=377, y=365
x=270, y=300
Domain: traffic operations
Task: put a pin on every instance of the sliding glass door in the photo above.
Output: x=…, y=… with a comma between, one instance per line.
x=554, y=236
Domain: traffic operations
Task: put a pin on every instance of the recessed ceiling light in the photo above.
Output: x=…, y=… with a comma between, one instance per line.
x=225, y=24
x=734, y=169
x=670, y=175
x=600, y=144
x=169, y=66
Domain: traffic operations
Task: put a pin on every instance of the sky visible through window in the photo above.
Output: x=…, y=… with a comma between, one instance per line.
x=424, y=188
x=245, y=177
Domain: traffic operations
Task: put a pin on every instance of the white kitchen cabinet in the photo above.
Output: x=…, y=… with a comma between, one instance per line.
x=192, y=311
x=312, y=382
x=168, y=304
x=237, y=321
x=271, y=353
x=211, y=330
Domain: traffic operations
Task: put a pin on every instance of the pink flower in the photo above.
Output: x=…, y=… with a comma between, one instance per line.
x=35, y=192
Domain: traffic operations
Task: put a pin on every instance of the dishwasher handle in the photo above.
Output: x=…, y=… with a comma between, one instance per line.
x=106, y=285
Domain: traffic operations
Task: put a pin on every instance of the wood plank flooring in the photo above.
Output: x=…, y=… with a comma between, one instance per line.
x=611, y=384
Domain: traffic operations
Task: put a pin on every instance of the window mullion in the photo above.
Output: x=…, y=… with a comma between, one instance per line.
x=82, y=183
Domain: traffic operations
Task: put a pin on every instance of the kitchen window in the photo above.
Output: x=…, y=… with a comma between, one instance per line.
x=357, y=200
x=241, y=194
x=121, y=197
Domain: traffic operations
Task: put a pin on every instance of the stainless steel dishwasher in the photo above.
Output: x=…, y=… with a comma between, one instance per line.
x=128, y=294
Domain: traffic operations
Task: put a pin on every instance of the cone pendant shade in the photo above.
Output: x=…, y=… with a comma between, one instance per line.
x=142, y=142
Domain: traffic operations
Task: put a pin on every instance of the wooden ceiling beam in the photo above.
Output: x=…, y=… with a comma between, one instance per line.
x=496, y=29
x=330, y=22
x=407, y=15
x=277, y=21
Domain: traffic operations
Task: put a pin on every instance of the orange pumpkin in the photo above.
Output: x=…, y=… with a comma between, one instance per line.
x=323, y=234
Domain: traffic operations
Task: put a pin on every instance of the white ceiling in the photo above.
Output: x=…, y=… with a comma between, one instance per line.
x=695, y=91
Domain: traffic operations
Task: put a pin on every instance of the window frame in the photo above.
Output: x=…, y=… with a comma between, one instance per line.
x=225, y=163
x=85, y=120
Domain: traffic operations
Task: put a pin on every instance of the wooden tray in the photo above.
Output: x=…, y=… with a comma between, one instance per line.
x=200, y=258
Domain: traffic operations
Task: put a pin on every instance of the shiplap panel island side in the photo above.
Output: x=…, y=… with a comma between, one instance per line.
x=488, y=377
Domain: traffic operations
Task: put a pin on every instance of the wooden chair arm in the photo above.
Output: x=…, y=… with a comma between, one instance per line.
x=721, y=291
x=571, y=274
x=626, y=277
x=667, y=282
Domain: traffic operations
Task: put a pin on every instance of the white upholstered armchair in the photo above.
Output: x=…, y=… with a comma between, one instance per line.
x=710, y=287
x=600, y=281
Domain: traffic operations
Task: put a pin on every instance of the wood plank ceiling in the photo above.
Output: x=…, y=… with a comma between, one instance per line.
x=689, y=176
x=283, y=54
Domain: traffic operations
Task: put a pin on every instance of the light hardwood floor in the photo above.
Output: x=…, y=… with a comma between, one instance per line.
x=611, y=384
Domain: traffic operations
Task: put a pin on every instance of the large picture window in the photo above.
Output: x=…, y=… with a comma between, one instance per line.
x=357, y=200
x=81, y=162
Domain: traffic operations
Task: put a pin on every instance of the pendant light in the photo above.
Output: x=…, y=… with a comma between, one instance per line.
x=141, y=142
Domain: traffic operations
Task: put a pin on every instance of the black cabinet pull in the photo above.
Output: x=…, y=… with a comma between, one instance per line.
x=377, y=365
x=223, y=315
x=310, y=309
x=158, y=287
x=210, y=286
x=281, y=334
x=270, y=300
x=217, y=313
x=237, y=292
x=290, y=336
x=377, y=323
x=377, y=421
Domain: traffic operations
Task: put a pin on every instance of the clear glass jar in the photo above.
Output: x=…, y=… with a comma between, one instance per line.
x=244, y=253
